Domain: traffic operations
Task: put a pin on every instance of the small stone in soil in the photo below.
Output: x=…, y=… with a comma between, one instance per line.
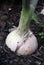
x=4, y=17
x=2, y=24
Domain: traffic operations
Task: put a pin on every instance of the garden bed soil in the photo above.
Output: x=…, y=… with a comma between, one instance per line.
x=9, y=17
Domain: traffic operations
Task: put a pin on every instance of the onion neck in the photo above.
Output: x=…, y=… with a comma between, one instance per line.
x=28, y=7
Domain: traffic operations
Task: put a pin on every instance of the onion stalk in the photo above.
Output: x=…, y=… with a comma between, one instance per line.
x=22, y=40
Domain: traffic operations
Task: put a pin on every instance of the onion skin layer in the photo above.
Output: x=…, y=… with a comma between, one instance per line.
x=15, y=43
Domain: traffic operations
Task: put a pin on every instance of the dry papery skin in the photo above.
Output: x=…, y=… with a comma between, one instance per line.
x=22, y=45
x=28, y=46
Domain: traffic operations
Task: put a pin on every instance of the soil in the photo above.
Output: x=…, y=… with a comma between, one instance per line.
x=9, y=17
